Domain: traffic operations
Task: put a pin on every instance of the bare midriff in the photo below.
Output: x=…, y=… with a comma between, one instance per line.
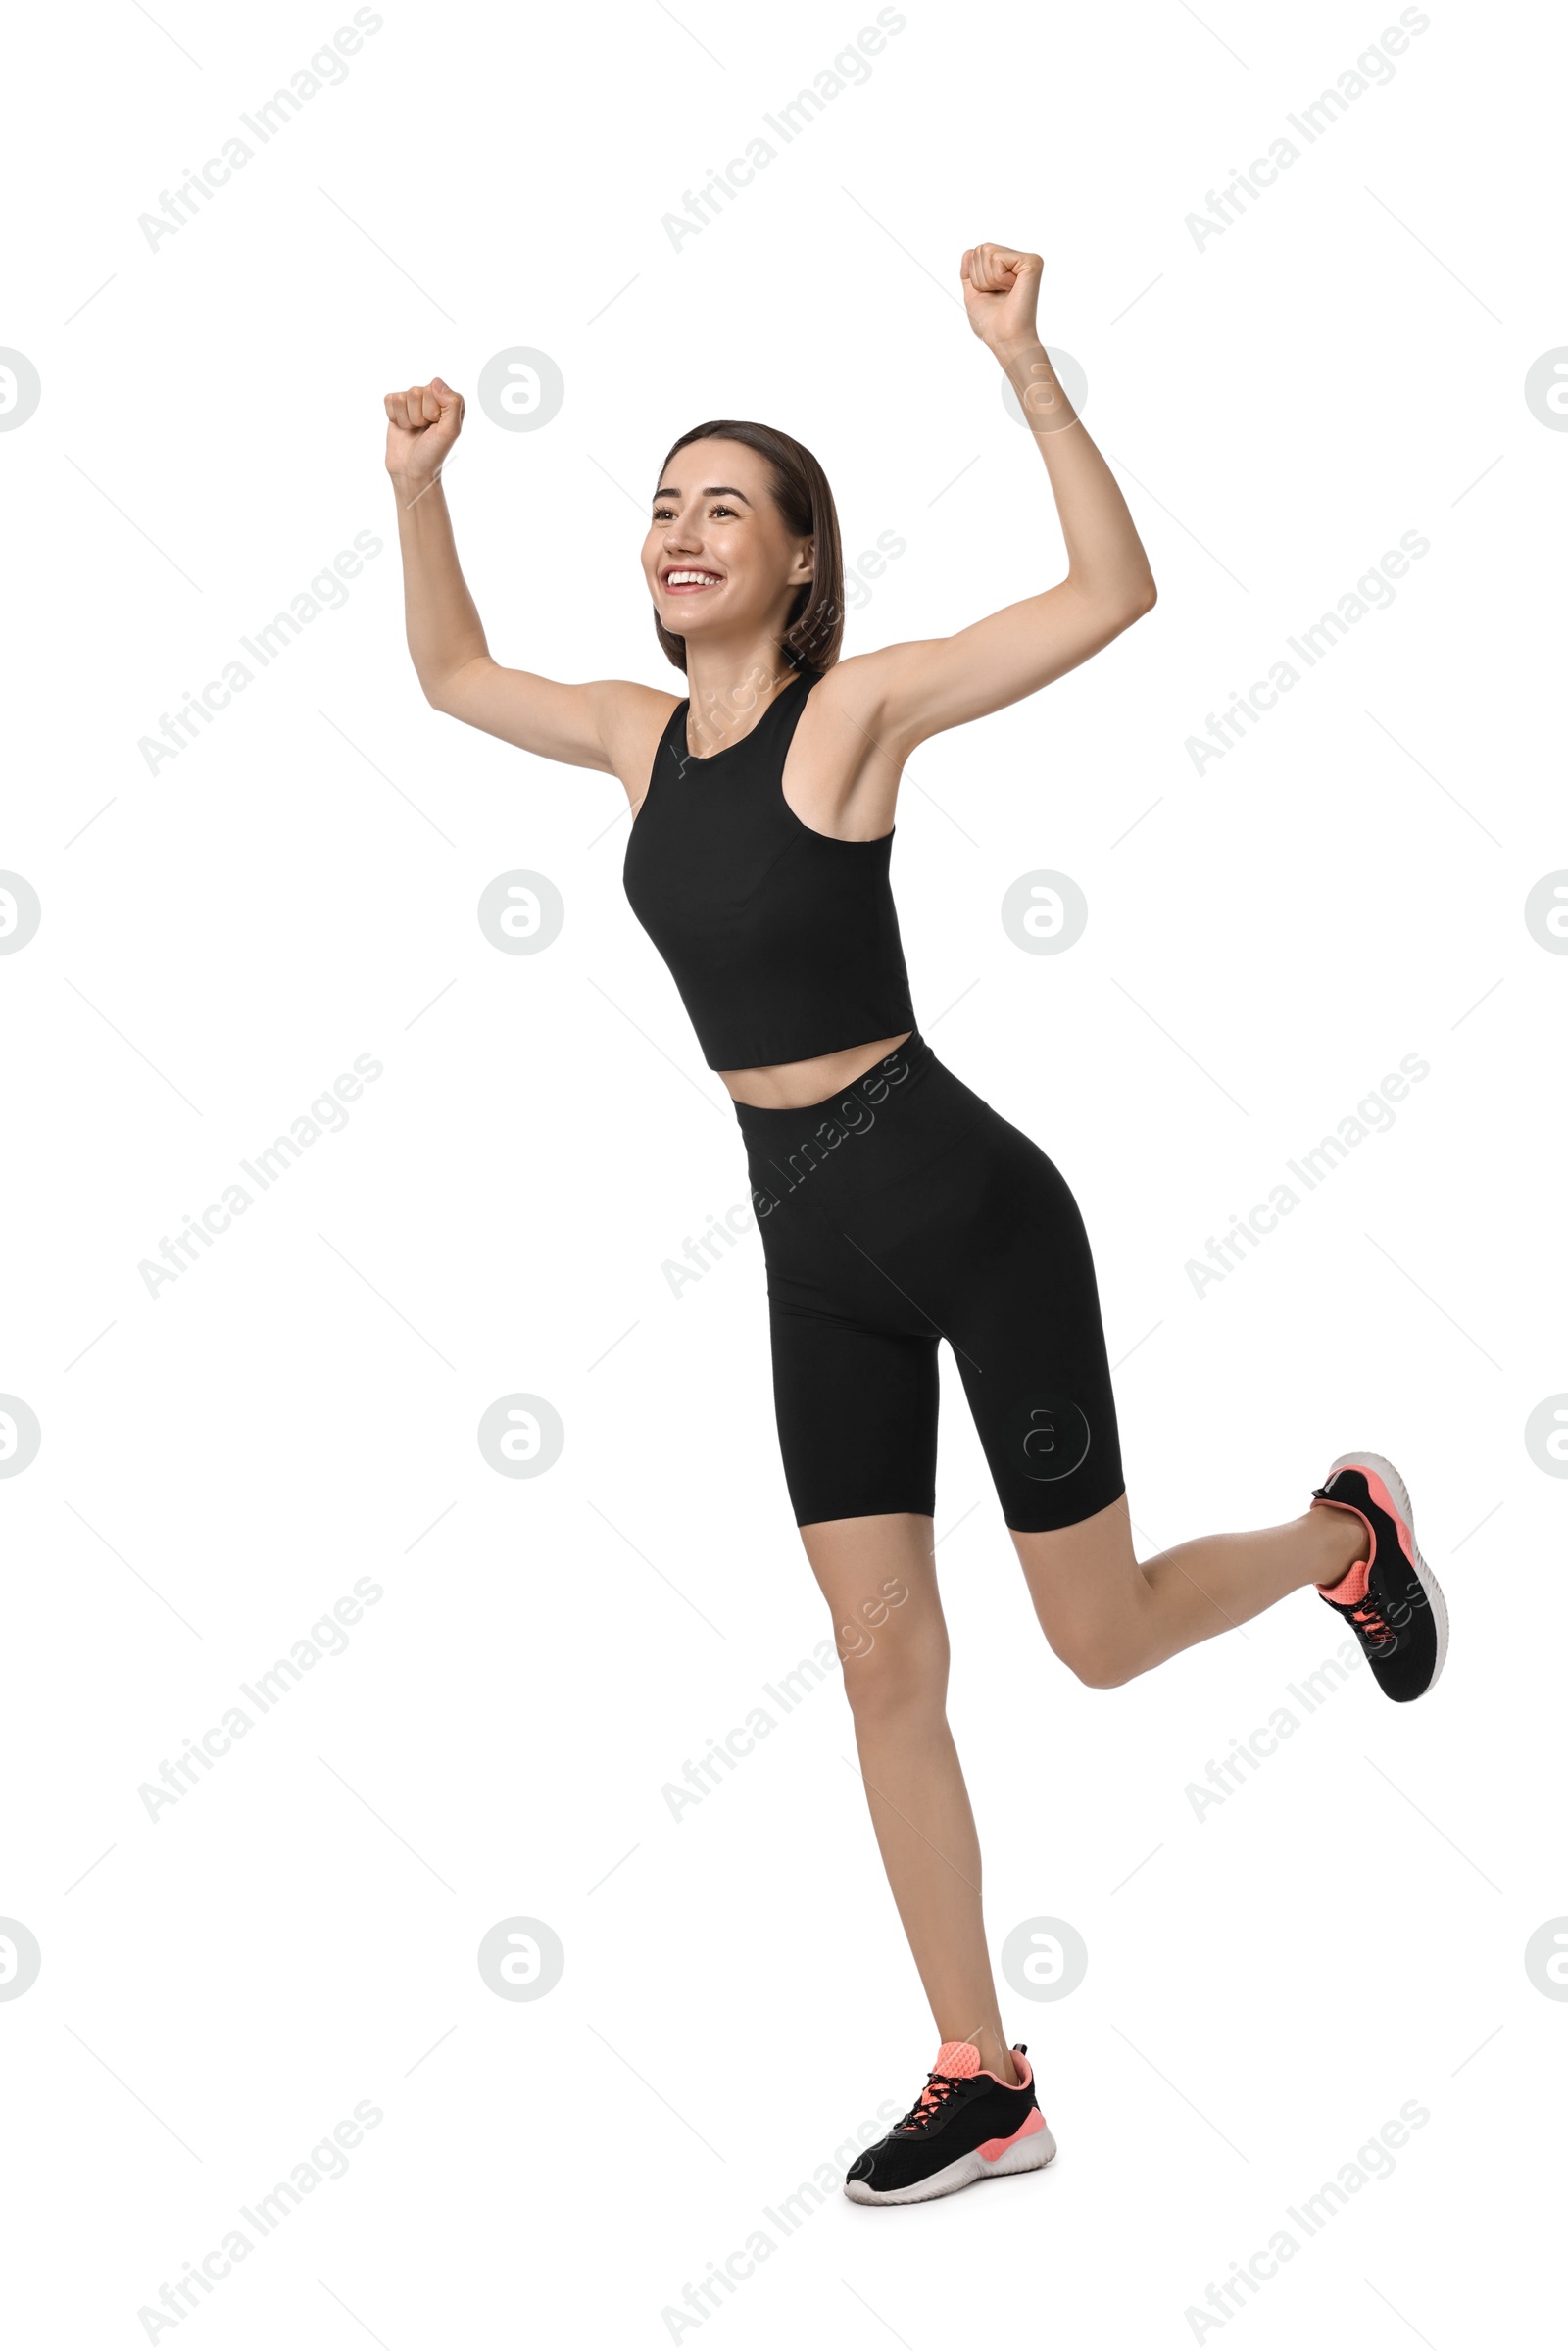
x=796, y=1085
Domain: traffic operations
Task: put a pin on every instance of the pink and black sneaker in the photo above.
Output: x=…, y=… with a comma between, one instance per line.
x=1391, y=1599
x=965, y=2126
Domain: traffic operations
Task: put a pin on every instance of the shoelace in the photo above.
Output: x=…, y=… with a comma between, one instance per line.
x=1372, y=1623
x=937, y=2089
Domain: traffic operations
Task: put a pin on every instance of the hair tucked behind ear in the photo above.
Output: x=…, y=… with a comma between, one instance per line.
x=813, y=633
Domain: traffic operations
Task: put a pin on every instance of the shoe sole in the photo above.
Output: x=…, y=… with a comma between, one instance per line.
x=1399, y=1494
x=1030, y=2154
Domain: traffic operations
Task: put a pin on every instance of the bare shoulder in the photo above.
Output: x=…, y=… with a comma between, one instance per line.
x=869, y=694
x=630, y=720
x=858, y=684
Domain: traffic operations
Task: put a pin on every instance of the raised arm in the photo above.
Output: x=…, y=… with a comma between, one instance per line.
x=586, y=726
x=916, y=690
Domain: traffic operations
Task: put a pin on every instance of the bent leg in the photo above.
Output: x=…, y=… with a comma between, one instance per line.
x=878, y=1577
x=1025, y=1327
x=1109, y=1618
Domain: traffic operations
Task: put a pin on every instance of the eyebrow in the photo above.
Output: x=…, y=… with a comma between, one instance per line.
x=713, y=490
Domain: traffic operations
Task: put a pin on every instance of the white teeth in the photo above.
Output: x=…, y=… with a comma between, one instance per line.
x=700, y=580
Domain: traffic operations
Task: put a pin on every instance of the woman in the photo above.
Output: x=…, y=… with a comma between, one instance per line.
x=896, y=1207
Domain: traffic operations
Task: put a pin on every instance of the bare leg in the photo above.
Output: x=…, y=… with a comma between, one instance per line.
x=1106, y=1617
x=878, y=1577
x=1109, y=1618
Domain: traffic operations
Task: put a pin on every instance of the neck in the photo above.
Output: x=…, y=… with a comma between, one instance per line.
x=730, y=687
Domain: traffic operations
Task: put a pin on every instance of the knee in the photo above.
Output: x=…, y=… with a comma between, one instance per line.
x=896, y=1681
x=1095, y=1653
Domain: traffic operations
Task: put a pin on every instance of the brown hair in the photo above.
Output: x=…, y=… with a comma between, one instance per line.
x=815, y=630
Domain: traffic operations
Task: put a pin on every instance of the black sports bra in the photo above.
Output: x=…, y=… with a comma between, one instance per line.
x=783, y=940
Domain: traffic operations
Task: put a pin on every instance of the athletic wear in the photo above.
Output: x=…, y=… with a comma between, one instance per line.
x=897, y=1212
x=783, y=942
x=1390, y=1601
x=965, y=2126
x=894, y=1214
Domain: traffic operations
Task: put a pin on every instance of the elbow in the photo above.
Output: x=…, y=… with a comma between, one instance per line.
x=443, y=689
x=1131, y=607
x=1114, y=609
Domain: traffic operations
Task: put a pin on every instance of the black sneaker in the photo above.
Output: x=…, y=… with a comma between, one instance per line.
x=1391, y=1599
x=965, y=2126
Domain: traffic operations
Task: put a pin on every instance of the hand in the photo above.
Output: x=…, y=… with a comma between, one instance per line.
x=1001, y=288
x=422, y=426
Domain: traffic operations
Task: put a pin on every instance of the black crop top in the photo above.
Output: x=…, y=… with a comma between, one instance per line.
x=783, y=940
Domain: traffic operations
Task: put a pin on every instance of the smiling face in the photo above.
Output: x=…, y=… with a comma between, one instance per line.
x=718, y=560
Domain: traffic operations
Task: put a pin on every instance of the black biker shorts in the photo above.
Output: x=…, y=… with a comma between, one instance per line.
x=899, y=1212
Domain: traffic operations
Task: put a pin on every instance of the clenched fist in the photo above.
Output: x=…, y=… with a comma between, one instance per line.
x=422, y=426
x=1001, y=288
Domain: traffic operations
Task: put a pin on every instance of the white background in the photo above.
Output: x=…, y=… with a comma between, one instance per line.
x=1345, y=1934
